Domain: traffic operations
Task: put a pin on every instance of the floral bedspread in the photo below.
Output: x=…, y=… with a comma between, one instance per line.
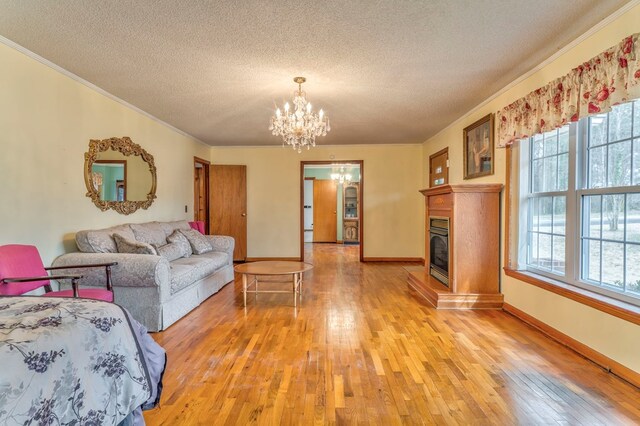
x=68, y=362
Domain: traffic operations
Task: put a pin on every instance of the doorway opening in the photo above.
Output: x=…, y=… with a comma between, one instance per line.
x=331, y=194
x=201, y=191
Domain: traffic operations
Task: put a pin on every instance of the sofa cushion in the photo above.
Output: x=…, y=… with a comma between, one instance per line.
x=101, y=240
x=186, y=271
x=178, y=238
x=171, y=251
x=218, y=258
x=150, y=233
x=127, y=245
x=199, y=243
x=181, y=277
x=170, y=227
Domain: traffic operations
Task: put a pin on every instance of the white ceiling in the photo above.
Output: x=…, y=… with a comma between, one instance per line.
x=386, y=71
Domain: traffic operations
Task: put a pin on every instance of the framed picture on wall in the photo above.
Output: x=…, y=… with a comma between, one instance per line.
x=478, y=148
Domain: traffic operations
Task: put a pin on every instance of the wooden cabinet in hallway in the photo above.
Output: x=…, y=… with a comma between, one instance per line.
x=228, y=188
x=325, y=219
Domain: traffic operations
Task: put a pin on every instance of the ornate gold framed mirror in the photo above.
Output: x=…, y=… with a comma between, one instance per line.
x=119, y=175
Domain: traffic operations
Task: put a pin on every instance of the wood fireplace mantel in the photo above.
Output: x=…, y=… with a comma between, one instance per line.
x=473, y=211
x=459, y=188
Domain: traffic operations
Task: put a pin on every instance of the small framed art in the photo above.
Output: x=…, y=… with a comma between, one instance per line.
x=478, y=148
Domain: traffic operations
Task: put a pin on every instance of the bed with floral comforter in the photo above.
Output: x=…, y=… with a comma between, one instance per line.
x=75, y=362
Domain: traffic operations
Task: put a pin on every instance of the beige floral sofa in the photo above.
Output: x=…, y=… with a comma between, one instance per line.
x=157, y=290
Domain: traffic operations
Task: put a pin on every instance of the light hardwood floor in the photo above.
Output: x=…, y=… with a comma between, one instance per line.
x=363, y=348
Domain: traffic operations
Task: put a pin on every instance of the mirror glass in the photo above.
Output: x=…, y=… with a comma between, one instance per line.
x=120, y=175
x=110, y=180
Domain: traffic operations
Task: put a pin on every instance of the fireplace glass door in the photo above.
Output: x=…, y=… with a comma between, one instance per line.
x=439, y=249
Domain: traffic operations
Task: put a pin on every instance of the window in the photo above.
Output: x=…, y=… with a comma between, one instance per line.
x=580, y=209
x=549, y=181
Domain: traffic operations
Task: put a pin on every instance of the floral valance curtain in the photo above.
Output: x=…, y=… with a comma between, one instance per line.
x=608, y=79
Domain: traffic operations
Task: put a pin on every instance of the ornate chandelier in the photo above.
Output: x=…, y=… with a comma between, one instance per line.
x=300, y=127
x=341, y=177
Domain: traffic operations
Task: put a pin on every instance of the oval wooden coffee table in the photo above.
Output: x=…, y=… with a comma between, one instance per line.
x=266, y=268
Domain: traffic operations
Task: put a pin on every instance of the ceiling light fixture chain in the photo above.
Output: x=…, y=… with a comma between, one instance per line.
x=300, y=127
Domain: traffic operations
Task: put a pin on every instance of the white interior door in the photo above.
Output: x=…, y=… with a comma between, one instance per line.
x=308, y=211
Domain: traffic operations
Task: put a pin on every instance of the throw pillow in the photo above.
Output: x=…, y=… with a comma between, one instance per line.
x=126, y=245
x=177, y=238
x=150, y=233
x=171, y=251
x=199, y=243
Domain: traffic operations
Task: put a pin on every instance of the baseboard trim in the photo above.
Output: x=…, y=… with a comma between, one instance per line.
x=262, y=259
x=393, y=259
x=614, y=367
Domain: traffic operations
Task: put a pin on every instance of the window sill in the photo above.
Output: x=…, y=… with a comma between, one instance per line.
x=622, y=310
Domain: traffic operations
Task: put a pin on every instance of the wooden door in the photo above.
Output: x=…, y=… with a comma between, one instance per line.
x=201, y=192
x=439, y=168
x=228, y=188
x=325, y=218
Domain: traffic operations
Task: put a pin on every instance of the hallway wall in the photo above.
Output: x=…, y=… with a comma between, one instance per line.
x=393, y=207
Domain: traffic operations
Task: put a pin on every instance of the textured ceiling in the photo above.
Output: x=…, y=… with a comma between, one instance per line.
x=385, y=71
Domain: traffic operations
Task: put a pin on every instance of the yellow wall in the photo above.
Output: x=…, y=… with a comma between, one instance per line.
x=611, y=336
x=393, y=207
x=46, y=121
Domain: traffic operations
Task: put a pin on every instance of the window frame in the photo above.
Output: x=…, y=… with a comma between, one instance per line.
x=619, y=309
x=526, y=160
x=577, y=189
x=582, y=190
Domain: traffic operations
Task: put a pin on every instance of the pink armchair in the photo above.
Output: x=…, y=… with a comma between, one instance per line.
x=22, y=270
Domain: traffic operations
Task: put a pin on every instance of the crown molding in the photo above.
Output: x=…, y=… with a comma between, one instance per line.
x=591, y=31
x=320, y=146
x=74, y=77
